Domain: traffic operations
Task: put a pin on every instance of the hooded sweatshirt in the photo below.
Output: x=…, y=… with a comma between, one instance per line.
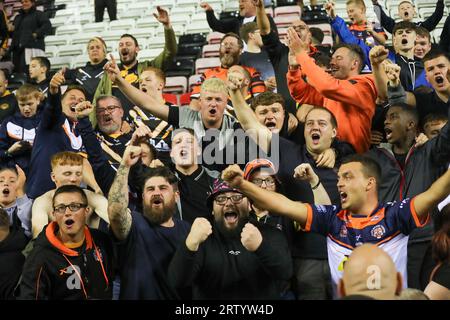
x=54, y=271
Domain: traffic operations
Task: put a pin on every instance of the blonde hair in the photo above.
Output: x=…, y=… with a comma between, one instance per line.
x=26, y=90
x=214, y=85
x=99, y=40
x=359, y=3
x=66, y=158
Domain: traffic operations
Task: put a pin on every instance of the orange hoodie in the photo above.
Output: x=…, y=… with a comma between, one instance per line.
x=352, y=101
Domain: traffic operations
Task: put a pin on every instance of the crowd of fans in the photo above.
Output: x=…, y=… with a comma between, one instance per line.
x=297, y=171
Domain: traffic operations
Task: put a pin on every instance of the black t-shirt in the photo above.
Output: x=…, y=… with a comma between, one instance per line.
x=131, y=76
x=304, y=244
x=194, y=190
x=427, y=103
x=442, y=276
x=214, y=158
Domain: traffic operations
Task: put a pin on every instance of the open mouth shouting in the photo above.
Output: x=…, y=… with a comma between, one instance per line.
x=125, y=53
x=271, y=125
x=343, y=196
x=439, y=80
x=212, y=112
x=315, y=136
x=404, y=41
x=5, y=192
x=388, y=133
x=73, y=107
x=231, y=217
x=69, y=223
x=156, y=201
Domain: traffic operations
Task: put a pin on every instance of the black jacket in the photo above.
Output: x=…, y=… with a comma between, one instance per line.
x=88, y=76
x=53, y=271
x=423, y=166
x=223, y=269
x=11, y=261
x=27, y=23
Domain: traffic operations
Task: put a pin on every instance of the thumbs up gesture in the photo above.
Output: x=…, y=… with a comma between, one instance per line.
x=57, y=80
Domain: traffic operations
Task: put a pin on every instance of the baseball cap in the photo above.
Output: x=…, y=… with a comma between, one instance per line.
x=219, y=186
x=256, y=164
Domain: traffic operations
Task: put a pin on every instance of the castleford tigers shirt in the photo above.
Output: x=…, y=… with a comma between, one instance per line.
x=388, y=227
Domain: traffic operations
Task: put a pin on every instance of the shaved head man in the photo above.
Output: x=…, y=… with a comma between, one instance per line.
x=370, y=271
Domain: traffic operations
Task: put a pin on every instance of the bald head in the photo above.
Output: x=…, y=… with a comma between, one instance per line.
x=370, y=271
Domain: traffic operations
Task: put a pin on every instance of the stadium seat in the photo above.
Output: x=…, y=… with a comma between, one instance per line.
x=59, y=62
x=282, y=3
x=123, y=25
x=51, y=51
x=146, y=22
x=181, y=67
x=186, y=3
x=325, y=27
x=199, y=16
x=55, y=40
x=184, y=10
x=192, y=38
x=180, y=19
x=147, y=33
x=176, y=85
x=58, y=21
x=193, y=80
x=202, y=64
x=287, y=11
x=198, y=27
x=80, y=61
x=156, y=42
x=166, y=4
x=285, y=20
x=72, y=50
x=214, y=37
x=83, y=38
x=190, y=49
x=97, y=27
x=139, y=6
x=68, y=29
x=15, y=80
x=211, y=50
x=112, y=35
x=148, y=54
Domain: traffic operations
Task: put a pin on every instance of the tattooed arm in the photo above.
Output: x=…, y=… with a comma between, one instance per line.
x=118, y=212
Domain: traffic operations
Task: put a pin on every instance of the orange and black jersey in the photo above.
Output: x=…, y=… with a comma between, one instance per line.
x=54, y=271
x=256, y=84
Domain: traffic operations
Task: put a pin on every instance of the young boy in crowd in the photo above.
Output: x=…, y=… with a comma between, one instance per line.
x=38, y=69
x=14, y=200
x=360, y=27
x=17, y=132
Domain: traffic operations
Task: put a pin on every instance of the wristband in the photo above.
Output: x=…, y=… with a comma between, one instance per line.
x=316, y=186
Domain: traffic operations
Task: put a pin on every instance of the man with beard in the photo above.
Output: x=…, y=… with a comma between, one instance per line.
x=247, y=13
x=112, y=131
x=69, y=261
x=349, y=95
x=231, y=258
x=231, y=47
x=359, y=218
x=147, y=240
x=214, y=128
x=130, y=68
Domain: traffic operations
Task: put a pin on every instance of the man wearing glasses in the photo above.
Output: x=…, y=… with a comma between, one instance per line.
x=113, y=131
x=231, y=258
x=69, y=260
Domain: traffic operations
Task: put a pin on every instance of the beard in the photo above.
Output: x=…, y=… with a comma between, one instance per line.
x=160, y=215
x=231, y=233
x=229, y=59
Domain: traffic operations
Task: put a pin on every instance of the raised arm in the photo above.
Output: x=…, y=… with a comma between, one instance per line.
x=306, y=172
x=426, y=201
x=432, y=21
x=215, y=24
x=264, y=199
x=163, y=60
x=386, y=21
x=395, y=91
x=52, y=108
x=118, y=212
x=261, y=18
x=237, y=85
x=378, y=55
x=139, y=98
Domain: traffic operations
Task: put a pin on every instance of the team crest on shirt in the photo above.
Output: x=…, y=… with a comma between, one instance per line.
x=343, y=232
x=321, y=209
x=4, y=106
x=378, y=231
